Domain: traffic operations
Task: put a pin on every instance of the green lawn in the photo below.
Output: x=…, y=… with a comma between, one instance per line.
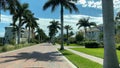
x=80, y=62
x=98, y=52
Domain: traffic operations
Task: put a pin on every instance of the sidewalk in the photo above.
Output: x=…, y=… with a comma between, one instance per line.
x=90, y=57
x=38, y=56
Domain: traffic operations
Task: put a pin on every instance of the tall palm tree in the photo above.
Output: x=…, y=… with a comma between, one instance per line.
x=68, y=27
x=30, y=22
x=41, y=36
x=9, y=5
x=53, y=29
x=63, y=3
x=110, y=57
x=84, y=22
x=19, y=16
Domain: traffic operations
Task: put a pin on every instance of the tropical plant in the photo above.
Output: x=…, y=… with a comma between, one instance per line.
x=40, y=35
x=67, y=27
x=63, y=3
x=53, y=29
x=84, y=22
x=19, y=16
x=9, y=5
x=79, y=37
x=110, y=57
x=30, y=22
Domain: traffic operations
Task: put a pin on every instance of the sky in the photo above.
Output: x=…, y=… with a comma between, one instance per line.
x=87, y=8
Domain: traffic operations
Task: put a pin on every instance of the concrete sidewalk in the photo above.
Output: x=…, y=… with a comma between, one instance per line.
x=39, y=56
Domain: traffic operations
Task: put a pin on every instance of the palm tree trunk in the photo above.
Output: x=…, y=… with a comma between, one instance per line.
x=19, y=30
x=62, y=38
x=67, y=38
x=110, y=57
x=33, y=36
x=29, y=33
x=85, y=33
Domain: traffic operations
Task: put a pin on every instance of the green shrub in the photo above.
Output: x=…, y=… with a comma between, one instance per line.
x=1, y=44
x=34, y=41
x=72, y=40
x=118, y=46
x=12, y=42
x=79, y=37
x=8, y=48
x=91, y=44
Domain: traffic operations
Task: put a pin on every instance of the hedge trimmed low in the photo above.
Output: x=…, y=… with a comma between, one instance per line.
x=91, y=44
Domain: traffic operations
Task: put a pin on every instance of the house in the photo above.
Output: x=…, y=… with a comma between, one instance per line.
x=11, y=35
x=93, y=33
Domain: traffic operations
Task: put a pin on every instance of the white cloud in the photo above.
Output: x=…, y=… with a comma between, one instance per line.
x=68, y=20
x=6, y=19
x=98, y=4
x=72, y=20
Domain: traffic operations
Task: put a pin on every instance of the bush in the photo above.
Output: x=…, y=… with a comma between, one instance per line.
x=8, y=48
x=72, y=40
x=79, y=37
x=12, y=42
x=91, y=44
x=34, y=41
x=1, y=44
x=118, y=46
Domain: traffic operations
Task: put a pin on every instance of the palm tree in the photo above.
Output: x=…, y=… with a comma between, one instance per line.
x=110, y=57
x=9, y=5
x=63, y=3
x=68, y=27
x=30, y=22
x=53, y=29
x=84, y=22
x=41, y=36
x=19, y=16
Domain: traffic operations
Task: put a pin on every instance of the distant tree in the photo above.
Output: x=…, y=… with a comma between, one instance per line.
x=40, y=35
x=53, y=29
x=79, y=37
x=67, y=27
x=30, y=23
x=19, y=16
x=101, y=36
x=84, y=22
x=71, y=34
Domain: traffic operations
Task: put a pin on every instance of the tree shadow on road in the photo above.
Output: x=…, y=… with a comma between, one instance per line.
x=37, y=56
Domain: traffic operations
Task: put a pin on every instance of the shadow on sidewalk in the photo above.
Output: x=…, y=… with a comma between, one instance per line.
x=37, y=56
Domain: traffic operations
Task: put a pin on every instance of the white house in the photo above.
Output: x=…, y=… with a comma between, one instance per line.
x=10, y=34
x=94, y=33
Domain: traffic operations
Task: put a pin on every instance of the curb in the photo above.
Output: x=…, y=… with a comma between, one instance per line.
x=73, y=66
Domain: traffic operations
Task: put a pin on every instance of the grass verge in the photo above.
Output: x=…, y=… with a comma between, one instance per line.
x=8, y=47
x=80, y=62
x=98, y=52
x=71, y=45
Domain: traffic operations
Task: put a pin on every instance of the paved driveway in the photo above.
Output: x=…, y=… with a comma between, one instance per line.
x=39, y=56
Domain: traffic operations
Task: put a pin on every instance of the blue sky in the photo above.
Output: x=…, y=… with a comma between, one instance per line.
x=87, y=8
